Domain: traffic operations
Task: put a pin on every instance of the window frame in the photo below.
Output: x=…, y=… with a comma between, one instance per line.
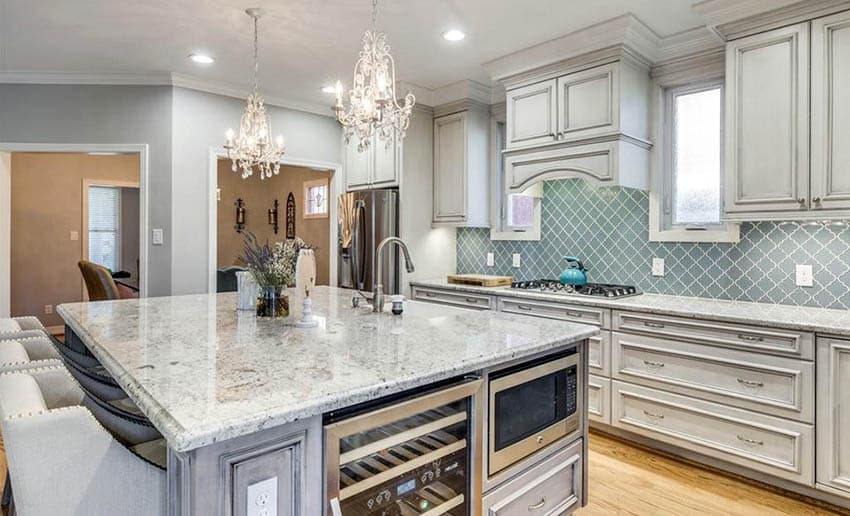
x=312, y=183
x=661, y=227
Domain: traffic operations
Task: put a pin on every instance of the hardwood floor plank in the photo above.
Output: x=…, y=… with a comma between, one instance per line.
x=628, y=480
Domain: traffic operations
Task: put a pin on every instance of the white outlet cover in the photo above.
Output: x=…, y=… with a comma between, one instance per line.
x=804, y=275
x=262, y=498
x=157, y=236
x=75, y=235
x=48, y=309
x=516, y=260
x=658, y=266
x=491, y=259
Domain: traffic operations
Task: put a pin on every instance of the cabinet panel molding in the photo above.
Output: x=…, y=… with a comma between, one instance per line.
x=833, y=414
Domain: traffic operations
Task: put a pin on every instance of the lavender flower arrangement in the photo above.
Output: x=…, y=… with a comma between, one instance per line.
x=272, y=265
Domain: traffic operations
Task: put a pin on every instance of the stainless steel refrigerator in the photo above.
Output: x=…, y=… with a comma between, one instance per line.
x=366, y=218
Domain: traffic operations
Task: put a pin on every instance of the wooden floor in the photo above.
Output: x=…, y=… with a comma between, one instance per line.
x=626, y=479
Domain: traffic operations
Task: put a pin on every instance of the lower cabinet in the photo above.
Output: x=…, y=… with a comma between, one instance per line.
x=552, y=487
x=599, y=399
x=763, y=443
x=455, y=298
x=833, y=415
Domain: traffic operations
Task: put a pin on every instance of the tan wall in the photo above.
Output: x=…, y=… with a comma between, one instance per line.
x=259, y=197
x=47, y=204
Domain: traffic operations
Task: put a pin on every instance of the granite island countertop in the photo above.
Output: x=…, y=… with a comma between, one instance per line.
x=203, y=372
x=801, y=318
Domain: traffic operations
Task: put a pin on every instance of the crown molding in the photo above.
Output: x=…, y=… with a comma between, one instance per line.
x=732, y=19
x=702, y=67
x=175, y=80
x=624, y=31
x=699, y=40
x=461, y=90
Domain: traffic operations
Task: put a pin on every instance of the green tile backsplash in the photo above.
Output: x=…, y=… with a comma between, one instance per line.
x=608, y=228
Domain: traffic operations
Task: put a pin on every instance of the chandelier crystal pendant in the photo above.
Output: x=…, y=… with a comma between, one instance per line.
x=372, y=104
x=252, y=146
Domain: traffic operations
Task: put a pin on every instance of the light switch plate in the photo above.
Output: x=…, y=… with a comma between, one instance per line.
x=658, y=266
x=48, y=309
x=262, y=498
x=516, y=261
x=805, y=278
x=157, y=236
x=491, y=259
x=75, y=235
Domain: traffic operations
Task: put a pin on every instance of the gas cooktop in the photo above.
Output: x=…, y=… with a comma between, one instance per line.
x=591, y=289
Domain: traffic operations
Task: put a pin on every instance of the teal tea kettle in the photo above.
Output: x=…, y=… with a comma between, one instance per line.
x=575, y=273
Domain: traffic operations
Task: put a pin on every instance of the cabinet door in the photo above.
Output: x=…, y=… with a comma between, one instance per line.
x=450, y=168
x=357, y=165
x=833, y=413
x=831, y=112
x=387, y=169
x=586, y=102
x=767, y=131
x=531, y=115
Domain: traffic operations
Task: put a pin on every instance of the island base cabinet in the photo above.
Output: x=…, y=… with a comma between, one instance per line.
x=833, y=416
x=552, y=487
x=599, y=399
x=784, y=449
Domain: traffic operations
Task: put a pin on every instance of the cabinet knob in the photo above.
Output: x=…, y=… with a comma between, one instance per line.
x=816, y=200
x=802, y=200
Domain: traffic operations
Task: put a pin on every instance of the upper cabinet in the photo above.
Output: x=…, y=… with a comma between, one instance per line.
x=461, y=174
x=772, y=172
x=831, y=112
x=379, y=166
x=767, y=115
x=590, y=122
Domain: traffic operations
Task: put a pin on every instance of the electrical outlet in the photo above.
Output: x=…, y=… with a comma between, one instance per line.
x=75, y=235
x=658, y=266
x=262, y=498
x=805, y=278
x=48, y=309
x=491, y=259
x=157, y=236
x=516, y=261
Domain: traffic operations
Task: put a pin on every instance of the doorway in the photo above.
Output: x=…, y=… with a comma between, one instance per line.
x=260, y=207
x=50, y=232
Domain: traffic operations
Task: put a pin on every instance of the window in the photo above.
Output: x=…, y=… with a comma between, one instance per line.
x=518, y=216
x=104, y=235
x=687, y=198
x=316, y=199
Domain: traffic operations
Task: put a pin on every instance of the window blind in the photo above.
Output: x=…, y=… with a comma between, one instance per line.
x=104, y=224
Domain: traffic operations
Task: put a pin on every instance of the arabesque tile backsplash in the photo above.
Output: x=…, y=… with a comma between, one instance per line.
x=608, y=229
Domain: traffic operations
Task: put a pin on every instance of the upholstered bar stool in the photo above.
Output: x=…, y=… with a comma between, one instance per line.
x=21, y=353
x=62, y=460
x=21, y=327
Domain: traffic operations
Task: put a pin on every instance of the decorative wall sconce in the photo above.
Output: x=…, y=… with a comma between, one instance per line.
x=290, y=216
x=273, y=220
x=240, y=215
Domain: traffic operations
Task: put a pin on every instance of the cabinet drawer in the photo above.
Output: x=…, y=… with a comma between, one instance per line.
x=475, y=301
x=781, y=342
x=599, y=353
x=773, y=385
x=550, y=488
x=565, y=312
x=764, y=443
x=599, y=399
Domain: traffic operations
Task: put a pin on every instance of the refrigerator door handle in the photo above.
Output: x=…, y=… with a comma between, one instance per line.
x=357, y=245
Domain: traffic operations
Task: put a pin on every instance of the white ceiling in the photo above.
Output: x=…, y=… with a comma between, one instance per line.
x=303, y=43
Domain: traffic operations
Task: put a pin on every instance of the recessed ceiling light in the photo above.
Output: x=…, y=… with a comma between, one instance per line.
x=201, y=59
x=330, y=88
x=453, y=35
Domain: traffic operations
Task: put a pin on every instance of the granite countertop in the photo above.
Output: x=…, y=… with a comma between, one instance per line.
x=802, y=318
x=203, y=372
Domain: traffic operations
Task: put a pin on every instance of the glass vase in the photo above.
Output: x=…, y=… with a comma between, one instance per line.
x=273, y=302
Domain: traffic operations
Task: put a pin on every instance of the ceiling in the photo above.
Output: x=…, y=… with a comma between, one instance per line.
x=303, y=43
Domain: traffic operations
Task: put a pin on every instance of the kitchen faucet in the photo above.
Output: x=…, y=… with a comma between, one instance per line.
x=378, y=294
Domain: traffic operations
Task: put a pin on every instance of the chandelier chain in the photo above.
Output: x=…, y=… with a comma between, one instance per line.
x=256, y=54
x=374, y=14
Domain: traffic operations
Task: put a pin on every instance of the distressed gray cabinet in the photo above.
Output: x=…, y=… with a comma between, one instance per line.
x=379, y=166
x=831, y=112
x=532, y=114
x=767, y=129
x=833, y=415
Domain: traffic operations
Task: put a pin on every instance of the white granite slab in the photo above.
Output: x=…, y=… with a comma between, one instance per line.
x=802, y=318
x=203, y=372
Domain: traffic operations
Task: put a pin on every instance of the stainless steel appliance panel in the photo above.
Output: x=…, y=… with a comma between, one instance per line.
x=366, y=218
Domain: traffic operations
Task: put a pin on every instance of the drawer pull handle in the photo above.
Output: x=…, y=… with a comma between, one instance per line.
x=523, y=307
x=471, y=300
x=750, y=441
x=750, y=383
x=430, y=294
x=750, y=338
x=651, y=414
x=573, y=314
x=653, y=364
x=538, y=505
x=650, y=324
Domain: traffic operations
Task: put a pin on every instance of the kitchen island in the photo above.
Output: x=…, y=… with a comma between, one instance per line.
x=240, y=399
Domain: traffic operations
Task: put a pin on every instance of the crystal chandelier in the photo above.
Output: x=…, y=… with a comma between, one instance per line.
x=372, y=104
x=253, y=147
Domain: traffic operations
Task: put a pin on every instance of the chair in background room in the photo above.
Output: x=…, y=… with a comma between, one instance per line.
x=99, y=282
x=226, y=278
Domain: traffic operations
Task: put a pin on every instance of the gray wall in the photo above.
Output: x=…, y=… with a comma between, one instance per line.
x=200, y=121
x=103, y=114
